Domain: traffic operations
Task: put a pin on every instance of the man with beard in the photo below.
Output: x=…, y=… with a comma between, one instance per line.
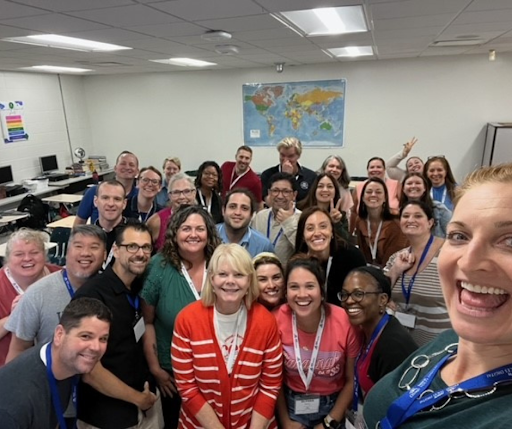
x=36, y=387
x=115, y=394
x=239, y=174
x=37, y=314
x=279, y=222
x=238, y=209
x=126, y=169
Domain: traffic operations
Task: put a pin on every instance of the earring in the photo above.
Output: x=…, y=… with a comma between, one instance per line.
x=381, y=310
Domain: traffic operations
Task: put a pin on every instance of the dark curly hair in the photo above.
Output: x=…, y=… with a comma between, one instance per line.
x=170, y=250
x=200, y=172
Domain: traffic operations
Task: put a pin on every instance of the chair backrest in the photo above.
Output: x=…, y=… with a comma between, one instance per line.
x=60, y=236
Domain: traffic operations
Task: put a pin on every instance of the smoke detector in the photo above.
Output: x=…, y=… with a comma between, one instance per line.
x=227, y=49
x=216, y=36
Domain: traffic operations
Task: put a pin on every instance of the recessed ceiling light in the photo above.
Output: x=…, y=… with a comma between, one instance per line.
x=327, y=21
x=57, y=69
x=185, y=62
x=351, y=51
x=64, y=42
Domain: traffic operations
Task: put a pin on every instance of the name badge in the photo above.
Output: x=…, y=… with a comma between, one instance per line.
x=407, y=320
x=354, y=420
x=139, y=328
x=307, y=404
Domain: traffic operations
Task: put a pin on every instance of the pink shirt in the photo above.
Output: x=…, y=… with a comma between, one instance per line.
x=339, y=341
x=165, y=217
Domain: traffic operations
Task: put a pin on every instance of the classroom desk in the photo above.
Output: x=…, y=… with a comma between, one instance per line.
x=78, y=180
x=63, y=198
x=12, y=202
x=7, y=219
x=65, y=222
x=3, y=247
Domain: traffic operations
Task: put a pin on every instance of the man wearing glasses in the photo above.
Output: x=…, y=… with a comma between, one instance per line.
x=144, y=205
x=116, y=392
x=279, y=222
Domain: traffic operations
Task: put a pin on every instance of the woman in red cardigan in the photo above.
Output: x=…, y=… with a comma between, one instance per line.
x=226, y=352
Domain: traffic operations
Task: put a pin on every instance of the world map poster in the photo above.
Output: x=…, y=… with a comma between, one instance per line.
x=312, y=111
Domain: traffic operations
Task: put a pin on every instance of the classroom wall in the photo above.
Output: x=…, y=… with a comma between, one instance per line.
x=44, y=119
x=444, y=101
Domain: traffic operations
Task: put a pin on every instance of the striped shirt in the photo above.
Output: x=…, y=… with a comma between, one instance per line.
x=426, y=302
x=202, y=377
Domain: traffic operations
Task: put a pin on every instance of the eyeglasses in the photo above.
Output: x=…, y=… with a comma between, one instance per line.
x=134, y=248
x=286, y=192
x=357, y=295
x=185, y=192
x=145, y=180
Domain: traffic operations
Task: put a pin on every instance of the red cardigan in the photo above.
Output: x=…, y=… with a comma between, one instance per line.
x=201, y=374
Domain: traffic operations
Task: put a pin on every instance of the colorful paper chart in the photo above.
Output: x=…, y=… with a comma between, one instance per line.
x=12, y=121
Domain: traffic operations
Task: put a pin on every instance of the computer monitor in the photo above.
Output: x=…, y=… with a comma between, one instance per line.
x=5, y=175
x=48, y=163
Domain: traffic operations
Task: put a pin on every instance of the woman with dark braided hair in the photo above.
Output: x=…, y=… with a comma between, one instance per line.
x=175, y=278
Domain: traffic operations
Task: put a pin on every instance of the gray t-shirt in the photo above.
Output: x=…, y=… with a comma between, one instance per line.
x=38, y=311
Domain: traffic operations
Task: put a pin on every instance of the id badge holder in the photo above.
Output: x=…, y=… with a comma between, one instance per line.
x=139, y=327
x=307, y=404
x=350, y=419
x=407, y=320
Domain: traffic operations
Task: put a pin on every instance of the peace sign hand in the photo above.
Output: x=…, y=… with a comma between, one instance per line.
x=408, y=146
x=335, y=212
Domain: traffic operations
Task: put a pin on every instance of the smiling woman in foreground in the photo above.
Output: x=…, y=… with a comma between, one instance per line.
x=462, y=378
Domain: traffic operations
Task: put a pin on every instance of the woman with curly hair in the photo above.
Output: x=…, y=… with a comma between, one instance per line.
x=209, y=186
x=174, y=279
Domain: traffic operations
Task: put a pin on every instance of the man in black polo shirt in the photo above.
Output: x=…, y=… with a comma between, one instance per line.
x=110, y=200
x=290, y=150
x=116, y=392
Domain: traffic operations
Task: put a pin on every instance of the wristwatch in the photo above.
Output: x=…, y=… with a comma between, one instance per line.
x=330, y=423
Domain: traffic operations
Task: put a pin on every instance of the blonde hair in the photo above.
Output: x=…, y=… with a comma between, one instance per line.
x=289, y=142
x=174, y=160
x=27, y=235
x=240, y=260
x=501, y=173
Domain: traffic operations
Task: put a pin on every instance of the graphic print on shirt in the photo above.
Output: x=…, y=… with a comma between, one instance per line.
x=328, y=363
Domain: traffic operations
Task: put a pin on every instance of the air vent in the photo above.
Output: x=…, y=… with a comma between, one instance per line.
x=455, y=43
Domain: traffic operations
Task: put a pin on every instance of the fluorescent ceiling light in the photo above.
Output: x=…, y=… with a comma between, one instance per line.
x=351, y=51
x=185, y=62
x=328, y=21
x=64, y=42
x=57, y=69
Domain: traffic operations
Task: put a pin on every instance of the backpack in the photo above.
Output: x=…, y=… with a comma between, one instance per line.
x=38, y=212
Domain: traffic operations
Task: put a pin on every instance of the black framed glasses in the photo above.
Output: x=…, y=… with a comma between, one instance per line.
x=134, y=247
x=357, y=295
x=276, y=191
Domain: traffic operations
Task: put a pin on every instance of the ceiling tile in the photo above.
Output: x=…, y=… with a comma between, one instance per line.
x=72, y=5
x=248, y=23
x=126, y=16
x=194, y=10
x=170, y=30
x=504, y=15
x=403, y=9
x=413, y=22
x=489, y=5
x=52, y=23
x=13, y=10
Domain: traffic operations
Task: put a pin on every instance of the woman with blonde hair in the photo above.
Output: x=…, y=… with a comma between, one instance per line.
x=462, y=378
x=226, y=352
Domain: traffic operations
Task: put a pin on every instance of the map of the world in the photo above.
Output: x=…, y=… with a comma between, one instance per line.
x=311, y=111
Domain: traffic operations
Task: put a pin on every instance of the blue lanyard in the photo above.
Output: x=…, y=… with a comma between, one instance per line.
x=55, y=391
x=135, y=303
x=68, y=283
x=268, y=230
x=407, y=292
x=412, y=402
x=362, y=356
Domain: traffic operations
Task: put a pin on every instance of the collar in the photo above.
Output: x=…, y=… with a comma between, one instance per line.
x=122, y=222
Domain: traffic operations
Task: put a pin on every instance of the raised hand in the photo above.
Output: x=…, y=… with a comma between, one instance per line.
x=283, y=214
x=335, y=212
x=408, y=146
